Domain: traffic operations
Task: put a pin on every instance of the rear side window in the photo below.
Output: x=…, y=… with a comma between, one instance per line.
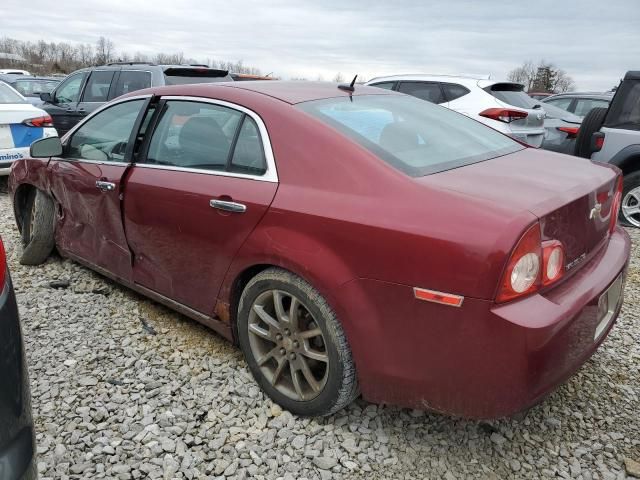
x=562, y=103
x=104, y=137
x=97, y=89
x=454, y=91
x=248, y=155
x=409, y=134
x=430, y=92
x=194, y=135
x=584, y=105
x=511, y=94
x=132, y=80
x=385, y=85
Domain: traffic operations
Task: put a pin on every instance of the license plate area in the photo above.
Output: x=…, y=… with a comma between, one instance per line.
x=608, y=304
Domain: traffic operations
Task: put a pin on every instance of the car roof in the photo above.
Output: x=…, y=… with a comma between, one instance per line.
x=632, y=75
x=290, y=91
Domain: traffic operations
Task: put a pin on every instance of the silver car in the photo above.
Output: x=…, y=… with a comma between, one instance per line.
x=561, y=129
x=579, y=103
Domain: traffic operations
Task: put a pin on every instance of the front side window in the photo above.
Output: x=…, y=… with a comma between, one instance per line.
x=130, y=81
x=104, y=137
x=194, y=135
x=430, y=92
x=409, y=134
x=97, y=89
x=69, y=90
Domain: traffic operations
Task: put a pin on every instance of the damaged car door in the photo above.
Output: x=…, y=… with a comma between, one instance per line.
x=87, y=182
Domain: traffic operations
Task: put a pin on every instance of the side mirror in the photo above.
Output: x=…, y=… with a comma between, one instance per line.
x=46, y=97
x=46, y=147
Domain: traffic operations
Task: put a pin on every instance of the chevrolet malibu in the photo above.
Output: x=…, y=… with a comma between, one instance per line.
x=350, y=240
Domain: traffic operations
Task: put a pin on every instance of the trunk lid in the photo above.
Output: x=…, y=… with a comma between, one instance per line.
x=562, y=191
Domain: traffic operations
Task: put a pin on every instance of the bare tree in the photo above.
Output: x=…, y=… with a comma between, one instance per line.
x=104, y=50
x=338, y=78
x=543, y=76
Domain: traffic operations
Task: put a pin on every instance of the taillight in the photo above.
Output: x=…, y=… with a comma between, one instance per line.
x=572, y=132
x=532, y=264
x=505, y=115
x=597, y=142
x=615, y=205
x=552, y=261
x=3, y=266
x=45, y=121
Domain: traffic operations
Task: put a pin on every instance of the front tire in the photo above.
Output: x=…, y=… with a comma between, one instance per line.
x=37, y=228
x=294, y=345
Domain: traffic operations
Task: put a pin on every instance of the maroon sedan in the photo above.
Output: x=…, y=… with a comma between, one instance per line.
x=349, y=242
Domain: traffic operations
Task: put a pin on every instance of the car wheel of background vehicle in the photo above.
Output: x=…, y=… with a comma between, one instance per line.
x=630, y=206
x=294, y=345
x=590, y=124
x=37, y=228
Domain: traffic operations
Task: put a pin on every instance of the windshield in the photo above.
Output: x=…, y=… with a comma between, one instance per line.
x=512, y=94
x=414, y=136
x=9, y=95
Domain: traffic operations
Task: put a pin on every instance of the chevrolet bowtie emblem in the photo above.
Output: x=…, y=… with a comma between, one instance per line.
x=595, y=211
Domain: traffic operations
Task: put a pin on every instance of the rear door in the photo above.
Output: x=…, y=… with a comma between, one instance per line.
x=87, y=182
x=96, y=92
x=64, y=108
x=205, y=179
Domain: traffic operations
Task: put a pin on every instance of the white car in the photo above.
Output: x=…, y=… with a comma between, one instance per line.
x=21, y=124
x=13, y=71
x=501, y=105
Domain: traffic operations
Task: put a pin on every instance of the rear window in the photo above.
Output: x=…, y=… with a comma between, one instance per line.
x=624, y=111
x=183, y=76
x=511, y=94
x=415, y=137
x=9, y=95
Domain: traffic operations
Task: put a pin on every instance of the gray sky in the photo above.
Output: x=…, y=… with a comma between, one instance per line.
x=595, y=41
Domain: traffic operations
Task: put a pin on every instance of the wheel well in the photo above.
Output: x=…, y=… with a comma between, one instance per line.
x=630, y=164
x=236, y=291
x=20, y=201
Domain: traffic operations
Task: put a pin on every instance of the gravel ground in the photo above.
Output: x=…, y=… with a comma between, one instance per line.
x=124, y=388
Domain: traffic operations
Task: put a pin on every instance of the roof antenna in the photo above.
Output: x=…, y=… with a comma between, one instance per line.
x=350, y=87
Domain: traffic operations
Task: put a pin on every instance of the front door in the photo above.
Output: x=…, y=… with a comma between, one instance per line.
x=64, y=107
x=87, y=183
x=203, y=184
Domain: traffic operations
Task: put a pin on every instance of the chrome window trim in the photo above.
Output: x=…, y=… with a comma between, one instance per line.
x=271, y=175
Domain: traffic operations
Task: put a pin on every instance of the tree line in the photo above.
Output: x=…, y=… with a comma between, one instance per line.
x=43, y=57
x=542, y=77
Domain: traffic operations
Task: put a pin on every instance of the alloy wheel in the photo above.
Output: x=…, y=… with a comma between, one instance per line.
x=631, y=207
x=288, y=345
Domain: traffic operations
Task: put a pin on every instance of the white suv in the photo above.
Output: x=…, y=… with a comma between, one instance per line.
x=501, y=105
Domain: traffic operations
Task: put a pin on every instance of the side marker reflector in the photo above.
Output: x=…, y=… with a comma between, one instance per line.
x=438, y=297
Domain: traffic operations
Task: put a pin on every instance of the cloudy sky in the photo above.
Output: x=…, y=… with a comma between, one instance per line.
x=595, y=41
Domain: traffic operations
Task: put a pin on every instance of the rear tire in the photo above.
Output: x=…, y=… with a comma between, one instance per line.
x=37, y=228
x=630, y=207
x=297, y=352
x=590, y=125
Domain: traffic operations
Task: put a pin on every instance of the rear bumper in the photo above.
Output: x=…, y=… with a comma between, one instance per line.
x=10, y=155
x=481, y=360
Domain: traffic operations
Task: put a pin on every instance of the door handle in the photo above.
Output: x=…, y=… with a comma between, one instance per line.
x=105, y=186
x=228, y=206
x=69, y=110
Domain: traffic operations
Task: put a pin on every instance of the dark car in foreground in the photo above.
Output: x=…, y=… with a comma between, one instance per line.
x=85, y=90
x=348, y=239
x=17, y=453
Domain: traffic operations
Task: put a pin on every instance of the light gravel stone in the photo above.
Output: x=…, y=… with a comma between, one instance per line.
x=113, y=400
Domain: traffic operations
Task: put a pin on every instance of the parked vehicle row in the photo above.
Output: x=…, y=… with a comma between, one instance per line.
x=349, y=239
x=31, y=87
